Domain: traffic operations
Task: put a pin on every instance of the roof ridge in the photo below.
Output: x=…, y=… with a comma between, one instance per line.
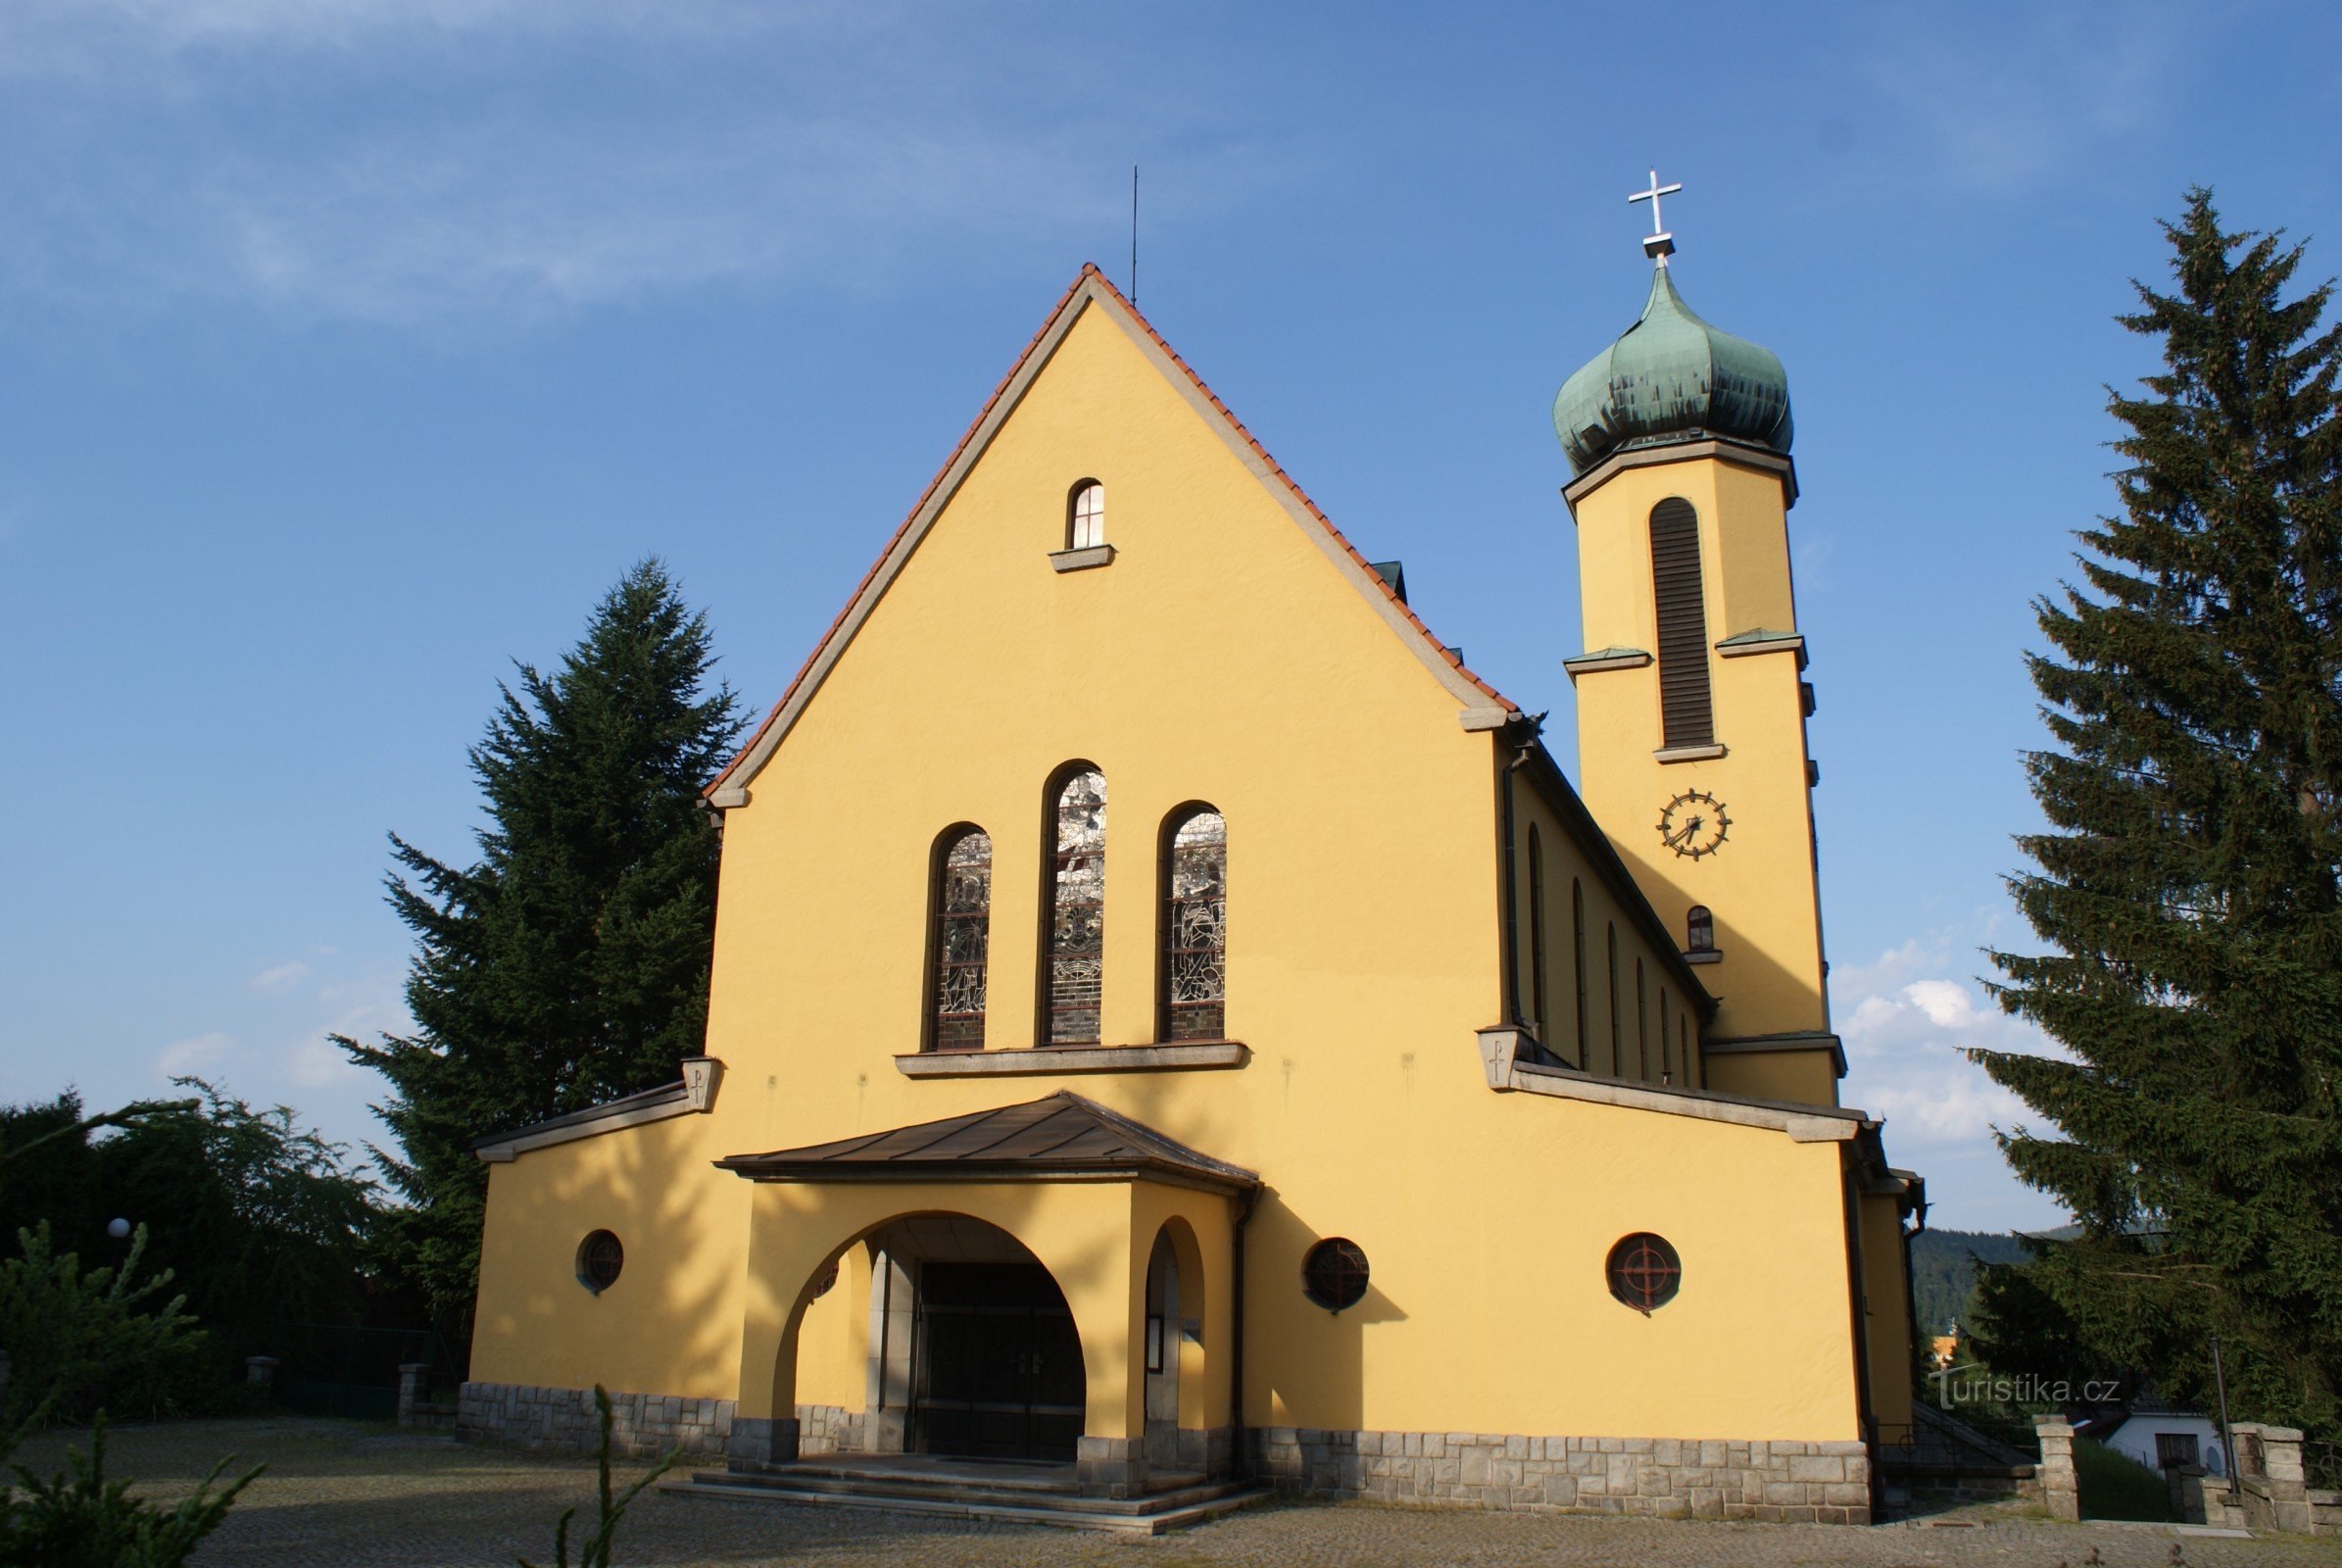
x=1292, y=484
x=1091, y=273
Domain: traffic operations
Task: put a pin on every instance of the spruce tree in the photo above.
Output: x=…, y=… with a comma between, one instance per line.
x=568, y=965
x=2189, y=887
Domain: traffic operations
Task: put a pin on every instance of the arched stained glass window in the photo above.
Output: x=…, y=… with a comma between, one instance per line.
x=1077, y=908
x=1085, y=515
x=962, y=938
x=1196, y=929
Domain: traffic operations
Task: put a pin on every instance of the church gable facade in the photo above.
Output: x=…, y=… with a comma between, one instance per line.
x=1171, y=1020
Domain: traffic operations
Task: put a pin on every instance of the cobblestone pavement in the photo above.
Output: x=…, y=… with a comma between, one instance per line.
x=339, y=1493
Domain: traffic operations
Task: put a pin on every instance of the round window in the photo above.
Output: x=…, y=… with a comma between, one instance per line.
x=599, y=1259
x=1644, y=1271
x=1334, y=1274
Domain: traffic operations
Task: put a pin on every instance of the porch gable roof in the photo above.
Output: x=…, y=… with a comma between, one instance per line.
x=1064, y=1137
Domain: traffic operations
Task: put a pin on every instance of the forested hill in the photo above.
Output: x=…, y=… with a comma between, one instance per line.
x=1944, y=1270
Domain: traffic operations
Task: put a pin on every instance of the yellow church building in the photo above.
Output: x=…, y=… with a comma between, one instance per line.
x=1175, y=1028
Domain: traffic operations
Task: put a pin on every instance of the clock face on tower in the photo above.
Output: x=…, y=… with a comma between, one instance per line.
x=1694, y=824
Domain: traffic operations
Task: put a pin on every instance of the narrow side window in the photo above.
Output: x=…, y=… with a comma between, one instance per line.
x=1578, y=958
x=1667, y=1073
x=1085, y=515
x=1686, y=716
x=1536, y=934
x=1195, y=975
x=1614, y=1044
x=1075, y=954
x=1642, y=1029
x=961, y=938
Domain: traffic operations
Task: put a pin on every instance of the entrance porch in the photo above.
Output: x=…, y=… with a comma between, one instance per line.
x=1044, y=1284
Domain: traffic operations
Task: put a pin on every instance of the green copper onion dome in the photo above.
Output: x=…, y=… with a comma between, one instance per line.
x=1669, y=377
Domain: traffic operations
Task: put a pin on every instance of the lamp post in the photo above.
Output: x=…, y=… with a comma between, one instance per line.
x=2219, y=1381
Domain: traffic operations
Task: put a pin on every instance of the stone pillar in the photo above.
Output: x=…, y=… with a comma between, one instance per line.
x=260, y=1371
x=759, y=1441
x=411, y=1391
x=2281, y=1480
x=885, y=1397
x=1111, y=1467
x=2186, y=1485
x=2060, y=1486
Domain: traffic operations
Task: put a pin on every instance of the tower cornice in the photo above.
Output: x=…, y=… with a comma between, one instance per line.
x=1740, y=453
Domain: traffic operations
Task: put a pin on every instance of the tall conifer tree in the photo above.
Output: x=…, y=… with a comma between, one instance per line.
x=568, y=964
x=2190, y=885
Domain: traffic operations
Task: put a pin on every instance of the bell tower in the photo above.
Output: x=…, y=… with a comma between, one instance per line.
x=1692, y=701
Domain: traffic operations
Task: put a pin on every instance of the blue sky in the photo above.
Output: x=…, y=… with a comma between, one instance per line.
x=352, y=349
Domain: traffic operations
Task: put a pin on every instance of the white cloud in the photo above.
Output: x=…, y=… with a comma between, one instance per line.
x=1905, y=1022
x=408, y=161
x=360, y=1007
x=2008, y=106
x=196, y=1055
x=283, y=977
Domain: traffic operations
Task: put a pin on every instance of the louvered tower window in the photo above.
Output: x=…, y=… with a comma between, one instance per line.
x=1196, y=927
x=962, y=938
x=1686, y=714
x=1077, y=908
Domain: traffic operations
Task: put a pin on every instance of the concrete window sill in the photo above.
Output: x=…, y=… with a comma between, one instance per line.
x=1082, y=559
x=1187, y=1056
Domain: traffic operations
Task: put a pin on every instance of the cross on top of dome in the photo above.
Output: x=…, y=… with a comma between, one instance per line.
x=1660, y=244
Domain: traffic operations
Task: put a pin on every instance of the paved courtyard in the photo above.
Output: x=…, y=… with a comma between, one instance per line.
x=339, y=1493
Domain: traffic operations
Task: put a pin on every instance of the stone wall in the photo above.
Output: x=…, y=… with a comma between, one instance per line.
x=828, y=1429
x=1668, y=1478
x=644, y=1425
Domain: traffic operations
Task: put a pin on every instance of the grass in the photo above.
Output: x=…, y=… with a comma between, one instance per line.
x=2114, y=1486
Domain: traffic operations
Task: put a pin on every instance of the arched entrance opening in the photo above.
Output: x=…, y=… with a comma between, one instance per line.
x=973, y=1351
x=1174, y=1347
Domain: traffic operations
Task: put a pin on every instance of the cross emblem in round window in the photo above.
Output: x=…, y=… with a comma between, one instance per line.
x=1334, y=1274
x=1644, y=1271
x=599, y=1257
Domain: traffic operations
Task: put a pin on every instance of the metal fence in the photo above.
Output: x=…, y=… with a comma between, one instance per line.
x=2321, y=1467
x=343, y=1370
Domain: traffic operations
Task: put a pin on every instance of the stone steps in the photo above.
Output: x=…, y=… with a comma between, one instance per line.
x=1005, y=1499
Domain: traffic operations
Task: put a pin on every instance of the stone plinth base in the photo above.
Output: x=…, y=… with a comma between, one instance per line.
x=642, y=1425
x=1668, y=1478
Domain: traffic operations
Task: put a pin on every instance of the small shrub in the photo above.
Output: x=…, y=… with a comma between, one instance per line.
x=596, y=1554
x=82, y=1520
x=72, y=1331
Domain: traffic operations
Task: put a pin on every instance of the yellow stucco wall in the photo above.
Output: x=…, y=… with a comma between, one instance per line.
x=1761, y=885
x=1220, y=658
x=1888, y=1326
x=1810, y=1076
